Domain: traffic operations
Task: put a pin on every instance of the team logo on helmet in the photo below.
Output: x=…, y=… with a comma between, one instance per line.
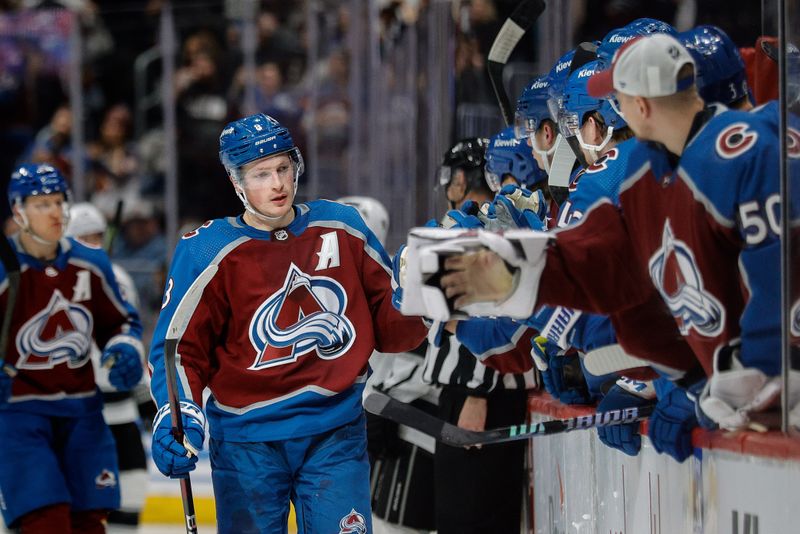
x=674, y=272
x=61, y=332
x=305, y=315
x=353, y=523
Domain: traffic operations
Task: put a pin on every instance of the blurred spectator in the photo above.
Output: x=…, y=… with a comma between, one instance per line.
x=114, y=148
x=53, y=143
x=141, y=249
x=276, y=43
x=202, y=110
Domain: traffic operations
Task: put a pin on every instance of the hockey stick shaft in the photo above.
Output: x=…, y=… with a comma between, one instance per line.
x=521, y=19
x=177, y=326
x=170, y=353
x=113, y=228
x=449, y=434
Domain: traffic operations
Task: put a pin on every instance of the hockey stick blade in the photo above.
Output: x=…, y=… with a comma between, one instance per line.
x=514, y=28
x=177, y=326
x=381, y=404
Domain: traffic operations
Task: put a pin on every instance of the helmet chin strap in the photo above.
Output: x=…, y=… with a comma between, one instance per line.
x=544, y=154
x=595, y=149
x=25, y=225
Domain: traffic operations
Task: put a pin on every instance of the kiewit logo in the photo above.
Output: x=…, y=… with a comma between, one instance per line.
x=620, y=38
x=540, y=84
x=583, y=73
x=511, y=143
x=353, y=523
x=305, y=315
x=674, y=272
x=61, y=332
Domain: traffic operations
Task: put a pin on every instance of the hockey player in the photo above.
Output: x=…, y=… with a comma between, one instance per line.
x=58, y=470
x=281, y=336
x=509, y=160
x=695, y=225
x=477, y=490
x=120, y=411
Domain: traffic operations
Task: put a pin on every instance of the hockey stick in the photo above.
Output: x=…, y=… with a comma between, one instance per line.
x=113, y=228
x=11, y=266
x=514, y=28
x=177, y=326
x=381, y=404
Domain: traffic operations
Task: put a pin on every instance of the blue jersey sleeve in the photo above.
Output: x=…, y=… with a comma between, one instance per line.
x=195, y=251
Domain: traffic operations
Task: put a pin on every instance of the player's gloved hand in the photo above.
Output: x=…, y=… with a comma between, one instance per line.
x=514, y=207
x=670, y=426
x=6, y=381
x=124, y=360
x=174, y=459
x=398, y=276
x=466, y=217
x=734, y=391
x=561, y=374
x=625, y=437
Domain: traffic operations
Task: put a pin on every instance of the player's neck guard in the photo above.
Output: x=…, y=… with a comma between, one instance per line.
x=595, y=150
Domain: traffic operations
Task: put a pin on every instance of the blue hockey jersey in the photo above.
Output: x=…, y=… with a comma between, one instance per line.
x=699, y=231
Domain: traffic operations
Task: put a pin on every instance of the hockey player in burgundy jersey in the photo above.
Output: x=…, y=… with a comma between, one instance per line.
x=281, y=336
x=58, y=470
x=696, y=226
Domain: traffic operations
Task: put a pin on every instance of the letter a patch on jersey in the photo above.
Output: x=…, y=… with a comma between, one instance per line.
x=305, y=315
x=328, y=252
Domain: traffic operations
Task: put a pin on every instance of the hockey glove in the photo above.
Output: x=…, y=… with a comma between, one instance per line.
x=465, y=218
x=174, y=459
x=625, y=437
x=734, y=391
x=670, y=426
x=561, y=374
x=514, y=207
x=123, y=357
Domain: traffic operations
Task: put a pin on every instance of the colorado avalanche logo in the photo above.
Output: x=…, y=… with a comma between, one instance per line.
x=306, y=315
x=674, y=272
x=353, y=523
x=60, y=332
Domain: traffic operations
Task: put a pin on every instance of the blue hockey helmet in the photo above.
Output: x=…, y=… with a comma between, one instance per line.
x=721, y=75
x=255, y=137
x=619, y=36
x=31, y=179
x=577, y=105
x=506, y=154
x=532, y=107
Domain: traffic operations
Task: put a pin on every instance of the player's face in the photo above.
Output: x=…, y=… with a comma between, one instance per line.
x=541, y=141
x=631, y=109
x=457, y=187
x=45, y=214
x=269, y=185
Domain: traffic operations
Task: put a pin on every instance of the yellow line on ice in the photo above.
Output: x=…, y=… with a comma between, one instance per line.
x=168, y=509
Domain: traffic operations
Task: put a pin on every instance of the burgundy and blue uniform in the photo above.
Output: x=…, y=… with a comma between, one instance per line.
x=56, y=446
x=697, y=246
x=282, y=337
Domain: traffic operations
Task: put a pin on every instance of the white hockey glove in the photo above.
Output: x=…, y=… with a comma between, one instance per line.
x=520, y=250
x=734, y=392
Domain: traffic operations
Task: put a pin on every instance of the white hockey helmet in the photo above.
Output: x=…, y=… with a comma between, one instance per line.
x=373, y=213
x=85, y=219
